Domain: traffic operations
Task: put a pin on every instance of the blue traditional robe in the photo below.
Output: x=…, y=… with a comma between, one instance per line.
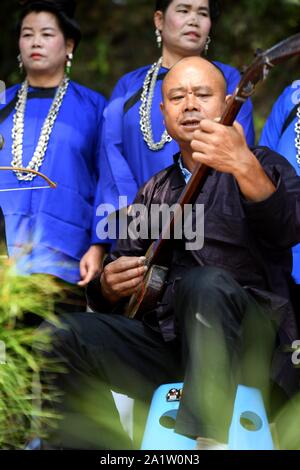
x=49, y=230
x=284, y=143
x=126, y=161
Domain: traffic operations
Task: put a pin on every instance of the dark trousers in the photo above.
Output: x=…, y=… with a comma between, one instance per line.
x=223, y=338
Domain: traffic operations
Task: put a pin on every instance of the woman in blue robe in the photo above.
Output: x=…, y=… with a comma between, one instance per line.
x=127, y=160
x=51, y=231
x=279, y=134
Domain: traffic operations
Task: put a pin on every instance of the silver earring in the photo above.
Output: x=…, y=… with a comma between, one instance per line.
x=69, y=63
x=19, y=58
x=158, y=38
x=207, y=43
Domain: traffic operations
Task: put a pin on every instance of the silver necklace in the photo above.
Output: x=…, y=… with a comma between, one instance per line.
x=146, y=107
x=18, y=130
x=297, y=140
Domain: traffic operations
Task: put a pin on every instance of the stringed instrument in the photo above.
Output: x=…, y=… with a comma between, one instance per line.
x=152, y=289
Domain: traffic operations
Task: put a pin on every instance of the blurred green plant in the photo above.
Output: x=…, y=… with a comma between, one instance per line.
x=20, y=414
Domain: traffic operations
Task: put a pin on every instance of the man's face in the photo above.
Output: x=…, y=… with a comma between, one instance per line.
x=192, y=91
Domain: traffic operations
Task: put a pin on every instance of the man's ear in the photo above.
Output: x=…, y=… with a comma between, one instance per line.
x=227, y=99
x=162, y=110
x=158, y=20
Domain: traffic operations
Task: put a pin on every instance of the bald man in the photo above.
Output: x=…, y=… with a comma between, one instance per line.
x=225, y=303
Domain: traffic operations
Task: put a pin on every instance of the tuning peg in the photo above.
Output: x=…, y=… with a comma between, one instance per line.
x=258, y=52
x=1, y=142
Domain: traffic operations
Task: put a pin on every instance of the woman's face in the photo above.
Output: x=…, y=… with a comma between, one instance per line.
x=42, y=44
x=184, y=26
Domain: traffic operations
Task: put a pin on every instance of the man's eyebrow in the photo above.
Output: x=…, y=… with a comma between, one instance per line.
x=206, y=89
x=175, y=90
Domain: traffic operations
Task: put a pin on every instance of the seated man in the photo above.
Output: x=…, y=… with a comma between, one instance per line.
x=225, y=309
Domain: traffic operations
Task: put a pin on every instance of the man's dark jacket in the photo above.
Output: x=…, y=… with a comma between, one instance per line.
x=252, y=241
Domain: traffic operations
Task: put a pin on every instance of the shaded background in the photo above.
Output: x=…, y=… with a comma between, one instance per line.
x=118, y=36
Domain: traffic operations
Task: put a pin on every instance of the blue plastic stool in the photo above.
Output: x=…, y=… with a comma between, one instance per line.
x=249, y=429
x=159, y=432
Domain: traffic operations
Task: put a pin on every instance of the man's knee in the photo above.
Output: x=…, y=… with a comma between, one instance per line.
x=61, y=335
x=210, y=293
x=207, y=280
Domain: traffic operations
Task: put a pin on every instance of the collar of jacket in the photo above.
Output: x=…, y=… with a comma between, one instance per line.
x=178, y=181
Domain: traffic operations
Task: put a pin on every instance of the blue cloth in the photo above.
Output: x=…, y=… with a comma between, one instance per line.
x=54, y=226
x=126, y=161
x=284, y=143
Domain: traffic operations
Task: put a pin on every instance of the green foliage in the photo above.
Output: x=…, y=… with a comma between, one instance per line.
x=20, y=363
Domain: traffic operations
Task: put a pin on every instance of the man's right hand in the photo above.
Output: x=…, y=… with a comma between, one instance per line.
x=122, y=278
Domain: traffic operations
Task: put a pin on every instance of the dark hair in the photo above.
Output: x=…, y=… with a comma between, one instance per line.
x=214, y=7
x=64, y=11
